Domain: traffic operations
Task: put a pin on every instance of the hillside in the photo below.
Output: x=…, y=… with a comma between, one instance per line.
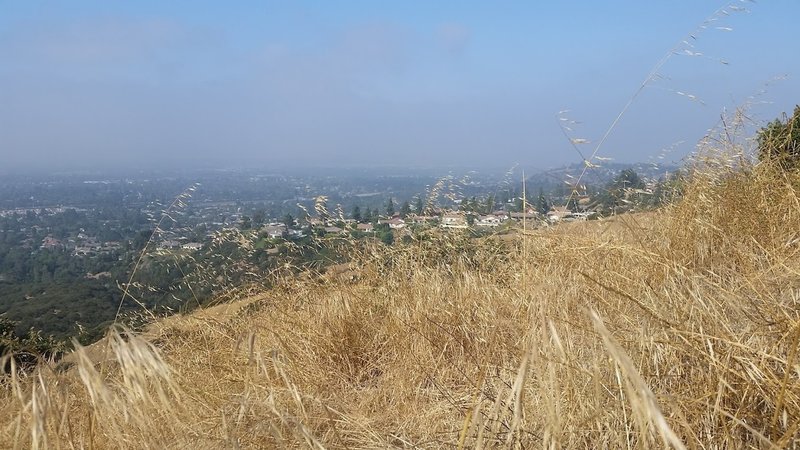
x=674, y=328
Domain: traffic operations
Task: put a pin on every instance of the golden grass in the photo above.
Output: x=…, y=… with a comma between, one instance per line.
x=677, y=328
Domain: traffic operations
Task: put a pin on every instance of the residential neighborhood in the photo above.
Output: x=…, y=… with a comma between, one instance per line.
x=54, y=230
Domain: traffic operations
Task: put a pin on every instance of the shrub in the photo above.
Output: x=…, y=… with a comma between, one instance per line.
x=779, y=141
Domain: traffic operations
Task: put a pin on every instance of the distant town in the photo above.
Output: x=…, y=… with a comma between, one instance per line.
x=68, y=243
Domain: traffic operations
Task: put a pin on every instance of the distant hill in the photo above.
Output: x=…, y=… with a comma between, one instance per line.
x=596, y=175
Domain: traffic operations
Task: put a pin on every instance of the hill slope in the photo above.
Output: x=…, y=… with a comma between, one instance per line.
x=677, y=327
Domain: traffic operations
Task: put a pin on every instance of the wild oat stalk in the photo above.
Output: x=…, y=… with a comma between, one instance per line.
x=178, y=202
x=684, y=47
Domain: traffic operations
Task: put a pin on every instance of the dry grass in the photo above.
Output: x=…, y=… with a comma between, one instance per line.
x=677, y=328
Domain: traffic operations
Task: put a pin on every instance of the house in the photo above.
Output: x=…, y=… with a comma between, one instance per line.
x=274, y=231
x=527, y=219
x=417, y=219
x=169, y=244
x=502, y=215
x=296, y=233
x=489, y=220
x=50, y=243
x=98, y=275
x=84, y=251
x=581, y=215
x=112, y=245
x=454, y=220
x=584, y=202
x=365, y=227
x=558, y=214
x=524, y=215
x=333, y=230
x=396, y=223
x=192, y=246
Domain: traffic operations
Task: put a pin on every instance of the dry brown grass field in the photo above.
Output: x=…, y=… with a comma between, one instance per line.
x=675, y=328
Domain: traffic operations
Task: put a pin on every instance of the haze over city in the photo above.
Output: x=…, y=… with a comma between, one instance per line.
x=98, y=85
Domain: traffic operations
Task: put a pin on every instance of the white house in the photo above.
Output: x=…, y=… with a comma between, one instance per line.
x=559, y=214
x=489, y=220
x=296, y=233
x=365, y=227
x=421, y=219
x=274, y=231
x=169, y=244
x=454, y=220
x=396, y=223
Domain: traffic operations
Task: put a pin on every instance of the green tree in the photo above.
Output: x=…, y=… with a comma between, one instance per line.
x=140, y=240
x=616, y=192
x=419, y=207
x=628, y=179
x=259, y=217
x=518, y=204
x=405, y=210
x=470, y=219
x=667, y=190
x=288, y=220
x=475, y=205
x=390, y=207
x=489, y=205
x=246, y=223
x=356, y=214
x=779, y=141
x=542, y=205
x=572, y=204
x=469, y=205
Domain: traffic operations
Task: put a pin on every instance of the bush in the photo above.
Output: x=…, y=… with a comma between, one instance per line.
x=779, y=141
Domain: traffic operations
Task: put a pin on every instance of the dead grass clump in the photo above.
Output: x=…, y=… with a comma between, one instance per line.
x=739, y=218
x=128, y=401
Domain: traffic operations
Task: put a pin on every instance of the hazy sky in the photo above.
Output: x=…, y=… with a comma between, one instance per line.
x=87, y=84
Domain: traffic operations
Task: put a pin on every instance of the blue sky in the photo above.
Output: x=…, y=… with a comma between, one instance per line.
x=152, y=83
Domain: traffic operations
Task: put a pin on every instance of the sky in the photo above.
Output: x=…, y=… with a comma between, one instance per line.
x=109, y=84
